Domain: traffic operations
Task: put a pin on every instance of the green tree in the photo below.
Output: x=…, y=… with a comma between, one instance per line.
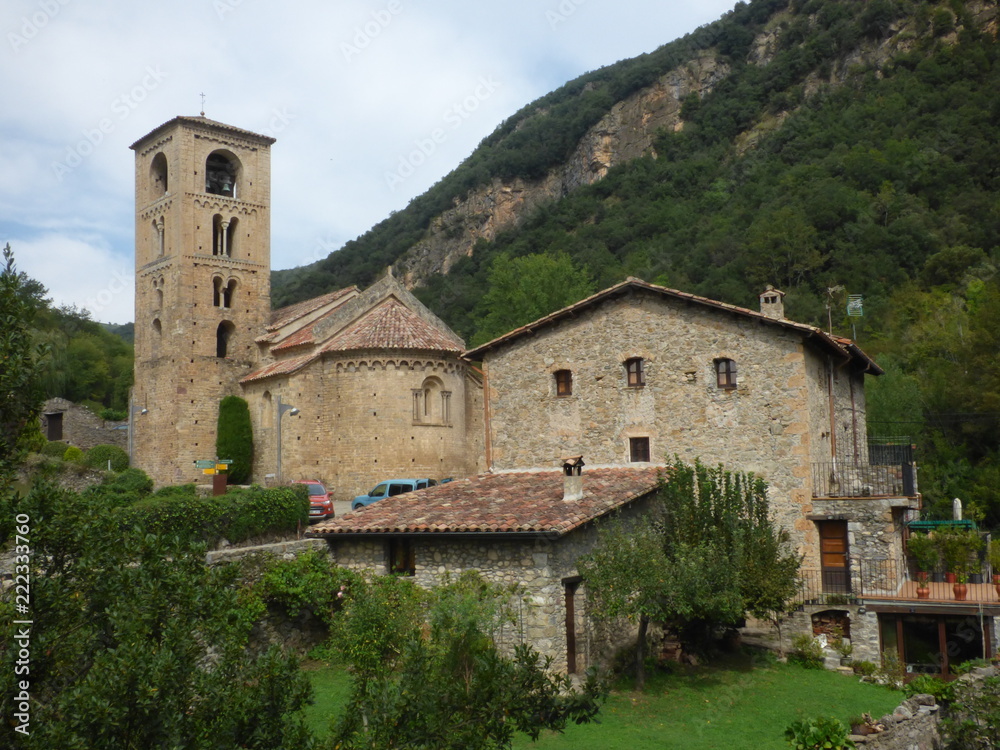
x=136, y=643
x=524, y=289
x=705, y=554
x=234, y=438
x=450, y=686
x=20, y=394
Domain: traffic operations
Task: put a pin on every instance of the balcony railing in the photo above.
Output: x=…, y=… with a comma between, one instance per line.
x=842, y=479
x=881, y=579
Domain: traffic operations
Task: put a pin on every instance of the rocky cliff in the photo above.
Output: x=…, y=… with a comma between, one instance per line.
x=628, y=132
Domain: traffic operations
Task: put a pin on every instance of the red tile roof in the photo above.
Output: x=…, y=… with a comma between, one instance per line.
x=843, y=347
x=281, y=367
x=504, y=503
x=392, y=325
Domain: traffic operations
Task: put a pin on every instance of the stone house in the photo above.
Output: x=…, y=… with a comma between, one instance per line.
x=64, y=421
x=525, y=528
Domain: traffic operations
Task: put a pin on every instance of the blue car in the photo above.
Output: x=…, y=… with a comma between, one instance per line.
x=389, y=488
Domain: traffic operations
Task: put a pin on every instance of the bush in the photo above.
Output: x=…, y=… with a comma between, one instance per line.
x=818, y=734
x=114, y=415
x=310, y=581
x=864, y=668
x=54, y=449
x=234, y=439
x=73, y=455
x=236, y=516
x=130, y=480
x=99, y=456
x=931, y=685
x=806, y=652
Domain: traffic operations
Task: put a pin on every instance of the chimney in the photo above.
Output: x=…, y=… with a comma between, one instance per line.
x=771, y=303
x=572, y=479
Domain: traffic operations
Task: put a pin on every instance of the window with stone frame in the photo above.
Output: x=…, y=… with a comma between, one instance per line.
x=638, y=449
x=402, y=560
x=564, y=382
x=635, y=375
x=725, y=373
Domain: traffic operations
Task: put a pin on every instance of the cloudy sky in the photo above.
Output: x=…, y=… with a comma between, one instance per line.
x=350, y=88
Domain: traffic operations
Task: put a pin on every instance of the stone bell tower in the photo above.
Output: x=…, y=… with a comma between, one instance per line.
x=202, y=284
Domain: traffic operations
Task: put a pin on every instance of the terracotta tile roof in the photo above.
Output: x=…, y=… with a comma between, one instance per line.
x=504, y=503
x=282, y=367
x=301, y=337
x=285, y=315
x=843, y=347
x=391, y=325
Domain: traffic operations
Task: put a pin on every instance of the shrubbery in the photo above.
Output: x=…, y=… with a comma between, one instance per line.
x=73, y=455
x=54, y=449
x=235, y=516
x=99, y=456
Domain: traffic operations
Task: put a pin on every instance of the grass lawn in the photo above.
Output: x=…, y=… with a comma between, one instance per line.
x=331, y=689
x=730, y=704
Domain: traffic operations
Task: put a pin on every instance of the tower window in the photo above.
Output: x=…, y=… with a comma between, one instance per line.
x=222, y=336
x=725, y=373
x=634, y=375
x=220, y=175
x=229, y=293
x=564, y=382
x=158, y=175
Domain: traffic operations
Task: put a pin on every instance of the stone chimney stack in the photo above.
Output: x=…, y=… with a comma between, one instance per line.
x=572, y=479
x=771, y=303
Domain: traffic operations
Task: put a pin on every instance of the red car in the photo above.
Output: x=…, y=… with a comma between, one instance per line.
x=320, y=501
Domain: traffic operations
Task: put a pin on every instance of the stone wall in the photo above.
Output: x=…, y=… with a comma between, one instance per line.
x=81, y=427
x=356, y=424
x=775, y=423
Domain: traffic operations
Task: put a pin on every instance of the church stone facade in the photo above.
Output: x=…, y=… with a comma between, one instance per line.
x=367, y=384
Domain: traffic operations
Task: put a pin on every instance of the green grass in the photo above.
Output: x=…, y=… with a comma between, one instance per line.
x=728, y=705
x=734, y=704
x=331, y=689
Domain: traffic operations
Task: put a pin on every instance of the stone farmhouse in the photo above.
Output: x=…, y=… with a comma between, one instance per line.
x=357, y=386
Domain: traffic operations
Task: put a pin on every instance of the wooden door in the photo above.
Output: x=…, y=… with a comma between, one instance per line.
x=833, y=554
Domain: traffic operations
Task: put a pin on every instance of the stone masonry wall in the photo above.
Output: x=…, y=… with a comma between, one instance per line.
x=356, y=424
x=767, y=425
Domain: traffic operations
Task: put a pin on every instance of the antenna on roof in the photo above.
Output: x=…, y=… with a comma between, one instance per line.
x=202, y=103
x=830, y=291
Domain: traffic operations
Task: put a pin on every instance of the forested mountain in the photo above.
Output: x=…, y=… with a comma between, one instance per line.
x=829, y=147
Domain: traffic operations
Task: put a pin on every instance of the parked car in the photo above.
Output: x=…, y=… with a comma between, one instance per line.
x=388, y=488
x=320, y=501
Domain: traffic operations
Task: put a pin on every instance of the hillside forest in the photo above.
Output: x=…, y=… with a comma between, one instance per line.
x=856, y=157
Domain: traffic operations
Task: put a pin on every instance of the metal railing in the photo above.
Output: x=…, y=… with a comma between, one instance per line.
x=882, y=579
x=843, y=479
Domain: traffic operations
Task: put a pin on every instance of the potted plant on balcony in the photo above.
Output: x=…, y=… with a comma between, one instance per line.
x=923, y=549
x=965, y=547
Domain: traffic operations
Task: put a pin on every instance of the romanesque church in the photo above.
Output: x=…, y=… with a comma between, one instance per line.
x=349, y=388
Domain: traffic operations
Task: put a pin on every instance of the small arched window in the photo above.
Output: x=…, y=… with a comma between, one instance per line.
x=222, y=336
x=229, y=293
x=266, y=410
x=159, y=236
x=216, y=291
x=431, y=403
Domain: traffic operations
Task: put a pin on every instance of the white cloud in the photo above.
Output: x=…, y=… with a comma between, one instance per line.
x=81, y=274
x=348, y=119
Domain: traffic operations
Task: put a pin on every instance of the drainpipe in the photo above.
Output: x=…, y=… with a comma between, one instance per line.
x=488, y=424
x=833, y=414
